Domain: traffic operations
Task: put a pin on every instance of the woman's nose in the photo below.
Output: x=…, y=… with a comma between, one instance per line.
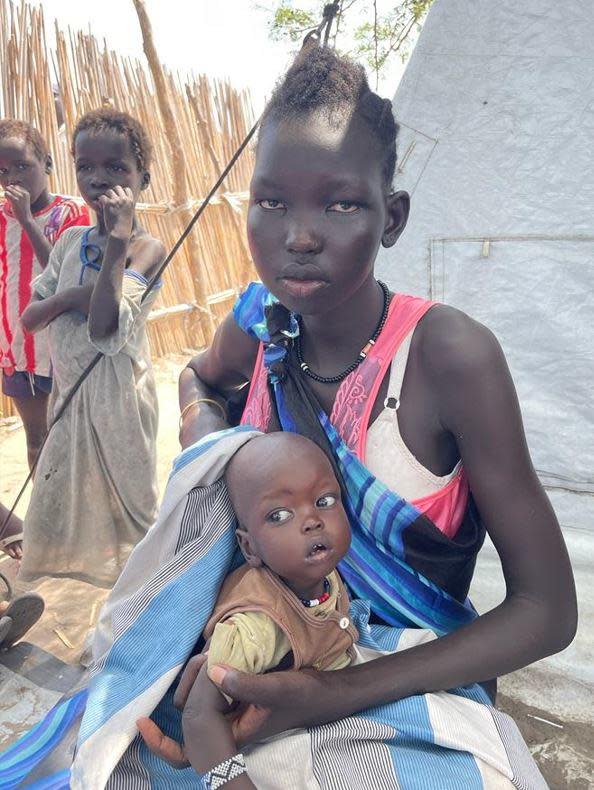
x=302, y=238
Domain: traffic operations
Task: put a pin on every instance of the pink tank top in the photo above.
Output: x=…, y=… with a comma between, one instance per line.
x=354, y=402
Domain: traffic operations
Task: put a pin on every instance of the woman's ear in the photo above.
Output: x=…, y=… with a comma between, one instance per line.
x=49, y=164
x=146, y=180
x=245, y=544
x=398, y=205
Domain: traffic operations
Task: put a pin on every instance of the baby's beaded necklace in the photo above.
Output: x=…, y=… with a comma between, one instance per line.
x=309, y=602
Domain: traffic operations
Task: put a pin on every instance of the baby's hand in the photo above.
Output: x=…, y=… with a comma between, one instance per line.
x=118, y=210
x=20, y=201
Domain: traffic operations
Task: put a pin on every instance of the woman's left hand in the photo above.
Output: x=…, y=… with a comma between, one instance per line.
x=279, y=701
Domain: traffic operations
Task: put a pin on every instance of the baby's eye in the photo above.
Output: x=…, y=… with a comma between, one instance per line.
x=270, y=205
x=344, y=207
x=326, y=501
x=279, y=516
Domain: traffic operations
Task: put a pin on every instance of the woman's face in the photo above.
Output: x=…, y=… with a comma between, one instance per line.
x=318, y=211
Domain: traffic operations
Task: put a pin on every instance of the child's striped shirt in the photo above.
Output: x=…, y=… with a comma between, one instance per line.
x=20, y=350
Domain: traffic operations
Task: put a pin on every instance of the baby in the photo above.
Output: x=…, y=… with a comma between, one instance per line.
x=287, y=606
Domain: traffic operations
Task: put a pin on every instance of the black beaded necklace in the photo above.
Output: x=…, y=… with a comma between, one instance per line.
x=362, y=354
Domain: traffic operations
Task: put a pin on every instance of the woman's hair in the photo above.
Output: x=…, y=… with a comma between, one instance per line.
x=110, y=120
x=321, y=79
x=20, y=130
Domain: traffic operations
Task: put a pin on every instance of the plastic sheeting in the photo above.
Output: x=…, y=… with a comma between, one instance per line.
x=496, y=109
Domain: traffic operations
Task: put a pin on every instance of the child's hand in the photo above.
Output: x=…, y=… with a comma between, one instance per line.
x=118, y=210
x=20, y=201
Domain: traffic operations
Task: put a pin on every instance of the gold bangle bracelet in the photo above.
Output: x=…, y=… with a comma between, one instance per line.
x=187, y=408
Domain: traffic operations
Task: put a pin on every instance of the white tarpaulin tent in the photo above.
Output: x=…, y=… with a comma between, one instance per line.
x=496, y=108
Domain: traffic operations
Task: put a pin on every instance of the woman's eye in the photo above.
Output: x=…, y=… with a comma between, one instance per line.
x=270, y=205
x=344, y=207
x=326, y=501
x=279, y=516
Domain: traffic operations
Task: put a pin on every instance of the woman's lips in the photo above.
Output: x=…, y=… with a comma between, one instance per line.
x=302, y=288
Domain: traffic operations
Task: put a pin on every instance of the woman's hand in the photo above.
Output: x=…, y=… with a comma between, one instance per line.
x=202, y=705
x=117, y=205
x=207, y=730
x=279, y=701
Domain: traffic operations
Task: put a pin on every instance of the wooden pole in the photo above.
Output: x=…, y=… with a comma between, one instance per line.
x=181, y=194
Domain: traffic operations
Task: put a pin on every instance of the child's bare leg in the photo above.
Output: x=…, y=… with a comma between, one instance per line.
x=33, y=413
x=13, y=527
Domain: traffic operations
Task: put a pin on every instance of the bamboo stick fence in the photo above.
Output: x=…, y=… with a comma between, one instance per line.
x=212, y=119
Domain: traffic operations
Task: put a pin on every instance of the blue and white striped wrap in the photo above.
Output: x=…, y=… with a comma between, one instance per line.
x=149, y=628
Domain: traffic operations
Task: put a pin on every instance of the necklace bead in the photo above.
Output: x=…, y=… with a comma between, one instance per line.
x=309, y=602
x=362, y=354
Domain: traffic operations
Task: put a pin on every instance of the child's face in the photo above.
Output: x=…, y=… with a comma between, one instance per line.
x=105, y=160
x=20, y=166
x=318, y=211
x=291, y=515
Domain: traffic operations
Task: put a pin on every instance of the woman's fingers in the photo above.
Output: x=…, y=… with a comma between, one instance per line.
x=262, y=690
x=249, y=723
x=188, y=679
x=165, y=748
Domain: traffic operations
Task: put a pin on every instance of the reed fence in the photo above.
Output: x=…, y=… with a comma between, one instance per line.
x=212, y=119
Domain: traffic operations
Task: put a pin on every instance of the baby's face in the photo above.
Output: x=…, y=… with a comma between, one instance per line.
x=291, y=514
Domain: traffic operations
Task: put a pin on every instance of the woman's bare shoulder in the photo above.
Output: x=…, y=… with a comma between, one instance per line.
x=451, y=344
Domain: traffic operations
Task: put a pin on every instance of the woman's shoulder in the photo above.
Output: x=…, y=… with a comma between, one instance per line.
x=448, y=342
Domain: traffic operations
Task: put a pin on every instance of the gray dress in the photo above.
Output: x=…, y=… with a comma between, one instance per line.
x=95, y=492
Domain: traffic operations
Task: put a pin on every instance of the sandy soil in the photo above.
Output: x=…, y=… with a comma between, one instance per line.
x=565, y=752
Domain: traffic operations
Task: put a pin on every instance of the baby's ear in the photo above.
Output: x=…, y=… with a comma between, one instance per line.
x=245, y=544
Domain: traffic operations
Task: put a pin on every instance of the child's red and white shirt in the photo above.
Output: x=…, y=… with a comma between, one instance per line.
x=20, y=350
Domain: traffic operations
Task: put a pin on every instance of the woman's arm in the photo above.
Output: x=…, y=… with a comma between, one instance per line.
x=39, y=313
x=225, y=366
x=20, y=200
x=208, y=735
x=538, y=616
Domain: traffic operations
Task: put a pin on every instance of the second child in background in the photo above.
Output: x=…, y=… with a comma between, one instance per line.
x=31, y=221
x=95, y=494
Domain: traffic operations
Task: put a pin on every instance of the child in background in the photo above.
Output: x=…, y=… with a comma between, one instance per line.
x=287, y=606
x=95, y=494
x=31, y=221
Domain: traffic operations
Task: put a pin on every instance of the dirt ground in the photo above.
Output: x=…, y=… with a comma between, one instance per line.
x=564, y=750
